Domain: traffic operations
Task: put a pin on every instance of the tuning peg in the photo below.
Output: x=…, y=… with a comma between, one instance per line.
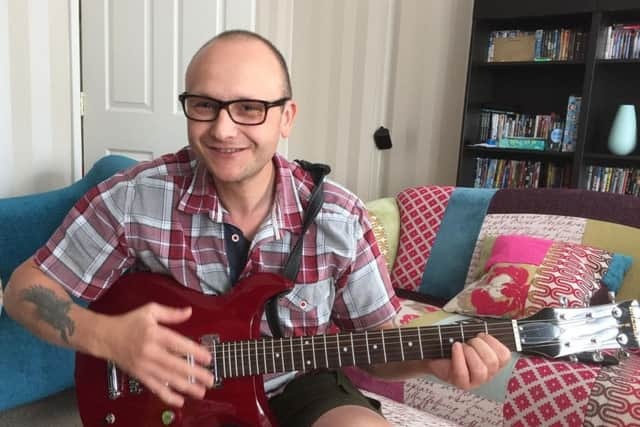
x=622, y=354
x=587, y=299
x=573, y=358
x=612, y=297
x=597, y=356
x=564, y=302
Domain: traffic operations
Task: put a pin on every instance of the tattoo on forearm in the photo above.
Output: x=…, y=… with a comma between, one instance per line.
x=51, y=309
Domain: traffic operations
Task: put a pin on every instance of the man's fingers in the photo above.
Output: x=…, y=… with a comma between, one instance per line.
x=170, y=315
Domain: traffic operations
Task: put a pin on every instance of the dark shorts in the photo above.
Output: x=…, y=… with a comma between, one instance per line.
x=309, y=396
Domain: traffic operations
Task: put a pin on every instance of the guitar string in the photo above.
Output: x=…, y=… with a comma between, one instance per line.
x=495, y=329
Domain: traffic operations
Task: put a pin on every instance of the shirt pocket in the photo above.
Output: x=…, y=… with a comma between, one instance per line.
x=308, y=305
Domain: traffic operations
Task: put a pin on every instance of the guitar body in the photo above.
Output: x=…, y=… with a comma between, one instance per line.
x=234, y=316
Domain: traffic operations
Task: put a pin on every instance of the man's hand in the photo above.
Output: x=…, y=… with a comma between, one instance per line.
x=156, y=355
x=472, y=363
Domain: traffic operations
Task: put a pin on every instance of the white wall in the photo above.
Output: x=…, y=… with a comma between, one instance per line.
x=397, y=63
x=35, y=105
x=428, y=86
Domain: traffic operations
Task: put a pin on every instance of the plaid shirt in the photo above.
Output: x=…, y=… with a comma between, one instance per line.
x=164, y=216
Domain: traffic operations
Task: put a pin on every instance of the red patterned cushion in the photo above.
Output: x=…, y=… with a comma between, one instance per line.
x=421, y=212
x=548, y=392
x=526, y=274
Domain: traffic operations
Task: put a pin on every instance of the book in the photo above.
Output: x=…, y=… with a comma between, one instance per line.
x=522, y=143
x=571, y=124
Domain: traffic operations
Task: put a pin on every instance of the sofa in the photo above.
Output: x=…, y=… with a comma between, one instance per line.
x=437, y=241
x=32, y=369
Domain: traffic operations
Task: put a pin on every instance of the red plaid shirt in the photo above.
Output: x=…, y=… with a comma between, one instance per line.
x=164, y=216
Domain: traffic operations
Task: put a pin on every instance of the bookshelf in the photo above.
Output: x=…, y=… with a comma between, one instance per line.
x=535, y=86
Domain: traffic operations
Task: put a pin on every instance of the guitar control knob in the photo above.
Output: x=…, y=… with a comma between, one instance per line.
x=110, y=419
x=168, y=417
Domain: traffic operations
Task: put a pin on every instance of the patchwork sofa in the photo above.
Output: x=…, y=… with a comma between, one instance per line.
x=439, y=243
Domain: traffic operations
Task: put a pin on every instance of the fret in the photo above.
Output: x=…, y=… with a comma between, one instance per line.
x=242, y=358
x=293, y=359
x=257, y=357
x=420, y=343
x=353, y=351
x=345, y=352
x=384, y=346
x=214, y=359
x=441, y=343
x=411, y=344
x=264, y=354
x=282, y=355
x=392, y=346
x=451, y=334
x=331, y=351
x=366, y=342
x=324, y=353
x=235, y=356
x=274, y=355
x=313, y=351
x=338, y=350
x=224, y=363
x=376, y=347
x=401, y=345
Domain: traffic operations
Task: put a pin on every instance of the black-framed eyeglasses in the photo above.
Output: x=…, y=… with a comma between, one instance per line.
x=249, y=112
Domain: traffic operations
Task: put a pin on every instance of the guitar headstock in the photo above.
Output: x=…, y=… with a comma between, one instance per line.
x=559, y=332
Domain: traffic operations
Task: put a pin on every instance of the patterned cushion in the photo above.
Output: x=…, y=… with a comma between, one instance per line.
x=526, y=274
x=421, y=211
x=548, y=392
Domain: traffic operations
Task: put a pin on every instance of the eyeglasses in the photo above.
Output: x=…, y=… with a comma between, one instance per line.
x=250, y=112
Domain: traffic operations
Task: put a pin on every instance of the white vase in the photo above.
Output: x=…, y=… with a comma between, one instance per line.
x=622, y=137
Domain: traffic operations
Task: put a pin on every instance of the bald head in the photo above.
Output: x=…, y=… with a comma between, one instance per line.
x=241, y=35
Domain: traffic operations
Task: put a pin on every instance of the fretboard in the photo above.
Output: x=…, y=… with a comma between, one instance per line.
x=269, y=355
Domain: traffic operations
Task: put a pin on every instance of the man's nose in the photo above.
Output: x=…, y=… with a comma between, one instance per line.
x=223, y=127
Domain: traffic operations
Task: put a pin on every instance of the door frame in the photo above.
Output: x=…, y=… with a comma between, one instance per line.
x=76, y=90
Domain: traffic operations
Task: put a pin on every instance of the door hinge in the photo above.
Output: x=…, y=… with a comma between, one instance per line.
x=82, y=95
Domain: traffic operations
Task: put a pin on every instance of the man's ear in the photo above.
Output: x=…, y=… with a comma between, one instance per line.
x=286, y=121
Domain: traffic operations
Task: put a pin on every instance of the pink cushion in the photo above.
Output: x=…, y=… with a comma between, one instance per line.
x=516, y=249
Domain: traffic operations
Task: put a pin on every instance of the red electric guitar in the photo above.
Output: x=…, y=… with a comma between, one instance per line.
x=229, y=326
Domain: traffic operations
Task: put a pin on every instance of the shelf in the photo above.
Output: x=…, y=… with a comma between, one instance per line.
x=501, y=64
x=515, y=153
x=611, y=159
x=617, y=61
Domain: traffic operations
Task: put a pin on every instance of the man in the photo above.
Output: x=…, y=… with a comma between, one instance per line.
x=223, y=208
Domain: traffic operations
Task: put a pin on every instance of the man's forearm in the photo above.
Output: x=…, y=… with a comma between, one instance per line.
x=42, y=306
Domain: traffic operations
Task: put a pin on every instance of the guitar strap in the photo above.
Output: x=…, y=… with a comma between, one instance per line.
x=291, y=267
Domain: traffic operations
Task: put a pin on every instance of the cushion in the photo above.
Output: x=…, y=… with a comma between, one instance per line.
x=385, y=221
x=421, y=211
x=524, y=274
x=447, y=265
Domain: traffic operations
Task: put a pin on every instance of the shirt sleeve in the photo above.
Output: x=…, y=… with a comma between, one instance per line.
x=88, y=252
x=365, y=298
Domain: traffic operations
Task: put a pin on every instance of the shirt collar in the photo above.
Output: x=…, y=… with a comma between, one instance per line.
x=293, y=187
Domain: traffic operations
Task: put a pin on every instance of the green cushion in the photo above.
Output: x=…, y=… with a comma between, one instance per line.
x=388, y=215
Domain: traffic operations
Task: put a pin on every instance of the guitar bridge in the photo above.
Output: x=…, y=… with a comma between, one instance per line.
x=210, y=342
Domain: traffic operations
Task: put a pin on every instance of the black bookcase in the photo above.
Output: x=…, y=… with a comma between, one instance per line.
x=541, y=87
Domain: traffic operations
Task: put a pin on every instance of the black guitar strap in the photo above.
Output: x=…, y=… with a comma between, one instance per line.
x=291, y=267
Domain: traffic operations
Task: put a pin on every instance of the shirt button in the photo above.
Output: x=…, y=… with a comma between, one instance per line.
x=303, y=304
x=235, y=238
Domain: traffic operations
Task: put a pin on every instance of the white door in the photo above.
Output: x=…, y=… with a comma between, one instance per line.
x=134, y=54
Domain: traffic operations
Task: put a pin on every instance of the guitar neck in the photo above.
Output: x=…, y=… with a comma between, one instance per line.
x=273, y=355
